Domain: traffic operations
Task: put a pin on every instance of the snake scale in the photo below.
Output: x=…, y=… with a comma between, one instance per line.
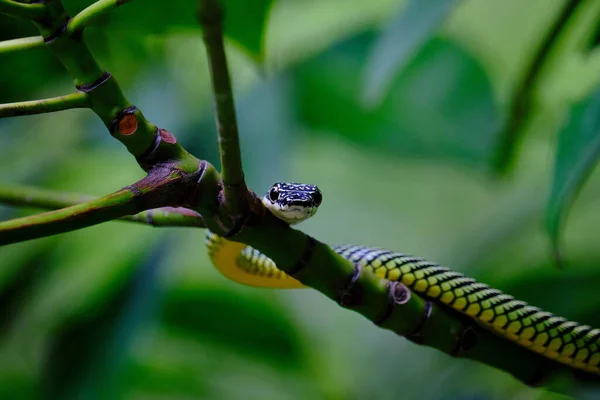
x=552, y=336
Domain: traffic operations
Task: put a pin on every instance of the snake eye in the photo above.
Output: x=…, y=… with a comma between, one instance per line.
x=274, y=194
x=318, y=197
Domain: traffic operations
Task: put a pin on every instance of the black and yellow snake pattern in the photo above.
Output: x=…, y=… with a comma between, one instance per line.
x=552, y=336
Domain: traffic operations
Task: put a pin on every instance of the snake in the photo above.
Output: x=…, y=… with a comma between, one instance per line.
x=552, y=336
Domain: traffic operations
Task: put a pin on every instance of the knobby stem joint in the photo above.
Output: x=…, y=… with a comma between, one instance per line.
x=466, y=341
x=90, y=87
x=351, y=294
x=58, y=32
x=114, y=125
x=397, y=294
x=309, y=248
x=416, y=335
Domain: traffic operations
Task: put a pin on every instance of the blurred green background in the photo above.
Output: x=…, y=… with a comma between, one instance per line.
x=402, y=140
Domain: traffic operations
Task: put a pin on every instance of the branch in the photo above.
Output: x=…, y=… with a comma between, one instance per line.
x=32, y=42
x=60, y=103
x=22, y=10
x=169, y=217
x=161, y=187
x=173, y=173
x=210, y=15
x=47, y=199
x=106, y=208
x=126, y=123
x=85, y=17
x=386, y=304
x=390, y=305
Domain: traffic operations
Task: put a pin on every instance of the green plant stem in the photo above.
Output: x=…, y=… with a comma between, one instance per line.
x=33, y=42
x=115, y=205
x=162, y=187
x=60, y=103
x=50, y=200
x=107, y=99
x=210, y=15
x=172, y=178
x=169, y=217
x=89, y=14
x=444, y=330
x=22, y=10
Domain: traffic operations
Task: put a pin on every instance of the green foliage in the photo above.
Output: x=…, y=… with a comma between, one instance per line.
x=414, y=25
x=244, y=23
x=577, y=153
x=121, y=311
x=422, y=115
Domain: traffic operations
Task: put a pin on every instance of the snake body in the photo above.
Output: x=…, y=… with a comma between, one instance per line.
x=552, y=336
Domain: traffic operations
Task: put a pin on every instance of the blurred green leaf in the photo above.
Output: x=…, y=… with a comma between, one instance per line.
x=440, y=106
x=251, y=325
x=44, y=67
x=15, y=289
x=88, y=351
x=581, y=288
x=555, y=45
x=245, y=23
x=244, y=20
x=576, y=155
x=407, y=32
x=300, y=29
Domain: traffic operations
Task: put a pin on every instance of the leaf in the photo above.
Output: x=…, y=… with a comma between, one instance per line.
x=18, y=78
x=576, y=155
x=408, y=31
x=245, y=24
x=554, y=46
x=441, y=106
x=251, y=325
x=244, y=20
x=27, y=260
x=579, y=284
x=88, y=352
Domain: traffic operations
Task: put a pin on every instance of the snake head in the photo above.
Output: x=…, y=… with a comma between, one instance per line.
x=293, y=202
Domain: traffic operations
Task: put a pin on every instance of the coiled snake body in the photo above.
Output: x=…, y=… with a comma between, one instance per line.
x=552, y=336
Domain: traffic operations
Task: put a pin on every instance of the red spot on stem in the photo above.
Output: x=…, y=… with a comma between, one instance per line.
x=128, y=124
x=167, y=136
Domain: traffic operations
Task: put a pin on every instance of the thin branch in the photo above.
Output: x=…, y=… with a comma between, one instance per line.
x=169, y=217
x=22, y=10
x=60, y=103
x=40, y=198
x=115, y=205
x=210, y=15
x=33, y=42
x=162, y=187
x=51, y=200
x=85, y=17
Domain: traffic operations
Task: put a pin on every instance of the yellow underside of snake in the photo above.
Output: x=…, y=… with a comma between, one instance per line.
x=552, y=336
